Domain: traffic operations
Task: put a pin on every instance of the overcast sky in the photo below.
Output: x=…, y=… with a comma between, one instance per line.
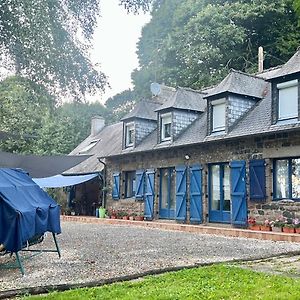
x=115, y=45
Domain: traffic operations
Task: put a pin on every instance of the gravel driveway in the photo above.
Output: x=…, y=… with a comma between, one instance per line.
x=93, y=252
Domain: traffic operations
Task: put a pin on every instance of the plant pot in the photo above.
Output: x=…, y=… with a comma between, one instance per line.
x=265, y=228
x=288, y=229
x=131, y=218
x=297, y=230
x=277, y=229
x=113, y=217
x=254, y=227
x=125, y=217
x=139, y=218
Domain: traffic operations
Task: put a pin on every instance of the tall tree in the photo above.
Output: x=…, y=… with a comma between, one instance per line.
x=203, y=39
x=48, y=41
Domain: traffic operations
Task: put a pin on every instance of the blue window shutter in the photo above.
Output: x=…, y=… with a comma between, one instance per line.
x=238, y=192
x=149, y=194
x=196, y=194
x=139, y=180
x=257, y=180
x=180, y=193
x=116, y=186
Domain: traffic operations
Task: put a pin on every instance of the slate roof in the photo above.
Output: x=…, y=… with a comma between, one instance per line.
x=240, y=83
x=292, y=66
x=109, y=140
x=144, y=109
x=186, y=99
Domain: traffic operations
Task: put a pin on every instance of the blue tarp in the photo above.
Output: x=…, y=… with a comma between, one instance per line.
x=62, y=181
x=25, y=210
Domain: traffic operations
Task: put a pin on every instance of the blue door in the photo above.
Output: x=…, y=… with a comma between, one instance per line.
x=196, y=194
x=149, y=195
x=219, y=193
x=238, y=192
x=167, y=193
x=181, y=193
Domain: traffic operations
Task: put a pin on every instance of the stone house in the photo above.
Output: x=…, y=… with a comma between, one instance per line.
x=216, y=155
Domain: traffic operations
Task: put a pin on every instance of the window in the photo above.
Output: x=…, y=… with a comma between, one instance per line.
x=288, y=100
x=218, y=115
x=166, y=121
x=287, y=179
x=129, y=134
x=130, y=184
x=89, y=146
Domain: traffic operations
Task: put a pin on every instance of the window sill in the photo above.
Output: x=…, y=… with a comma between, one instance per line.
x=219, y=132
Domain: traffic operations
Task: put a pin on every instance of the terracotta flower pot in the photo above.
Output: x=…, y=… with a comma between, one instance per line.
x=254, y=227
x=277, y=229
x=113, y=217
x=297, y=230
x=265, y=228
x=139, y=218
x=288, y=229
x=125, y=217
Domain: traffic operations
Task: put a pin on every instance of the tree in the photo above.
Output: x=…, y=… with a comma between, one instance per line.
x=48, y=42
x=120, y=104
x=25, y=107
x=297, y=8
x=203, y=39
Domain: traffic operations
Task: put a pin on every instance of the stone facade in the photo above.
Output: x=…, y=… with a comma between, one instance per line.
x=181, y=120
x=265, y=147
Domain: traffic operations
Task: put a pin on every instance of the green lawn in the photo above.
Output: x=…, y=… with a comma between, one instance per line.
x=213, y=282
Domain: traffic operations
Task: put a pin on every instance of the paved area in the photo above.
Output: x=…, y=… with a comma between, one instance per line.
x=93, y=252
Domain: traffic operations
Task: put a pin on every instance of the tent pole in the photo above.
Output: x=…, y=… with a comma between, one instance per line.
x=20, y=263
x=56, y=244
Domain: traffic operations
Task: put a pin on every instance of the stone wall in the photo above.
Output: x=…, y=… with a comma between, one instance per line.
x=266, y=147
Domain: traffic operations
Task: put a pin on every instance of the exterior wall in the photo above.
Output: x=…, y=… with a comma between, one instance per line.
x=267, y=147
x=237, y=107
x=181, y=120
x=143, y=128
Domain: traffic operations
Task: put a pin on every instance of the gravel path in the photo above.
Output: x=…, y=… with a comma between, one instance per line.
x=95, y=251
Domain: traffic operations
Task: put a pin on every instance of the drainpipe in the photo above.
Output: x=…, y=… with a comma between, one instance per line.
x=104, y=182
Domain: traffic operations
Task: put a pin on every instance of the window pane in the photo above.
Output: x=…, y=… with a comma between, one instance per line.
x=219, y=117
x=226, y=183
x=296, y=178
x=164, y=188
x=167, y=131
x=282, y=178
x=288, y=103
x=215, y=187
x=172, y=189
x=130, y=184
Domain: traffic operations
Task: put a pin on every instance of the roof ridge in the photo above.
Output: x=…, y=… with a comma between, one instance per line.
x=244, y=73
x=190, y=89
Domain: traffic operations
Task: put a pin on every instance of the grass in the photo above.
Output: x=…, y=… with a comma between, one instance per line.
x=213, y=282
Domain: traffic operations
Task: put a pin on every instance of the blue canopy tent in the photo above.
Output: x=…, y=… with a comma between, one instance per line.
x=26, y=211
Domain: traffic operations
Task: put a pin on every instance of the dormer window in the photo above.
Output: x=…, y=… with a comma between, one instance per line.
x=218, y=115
x=166, y=122
x=288, y=100
x=129, y=134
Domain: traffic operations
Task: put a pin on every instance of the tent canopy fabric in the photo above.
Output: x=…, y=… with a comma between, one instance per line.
x=58, y=181
x=40, y=166
x=25, y=210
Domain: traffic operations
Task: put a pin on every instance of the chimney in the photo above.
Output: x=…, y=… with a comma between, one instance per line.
x=97, y=125
x=260, y=59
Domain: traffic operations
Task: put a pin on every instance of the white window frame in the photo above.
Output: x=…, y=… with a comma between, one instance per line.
x=215, y=104
x=164, y=120
x=293, y=112
x=128, y=128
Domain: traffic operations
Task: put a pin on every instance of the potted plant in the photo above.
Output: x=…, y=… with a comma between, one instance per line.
x=139, y=217
x=112, y=213
x=253, y=224
x=266, y=226
x=125, y=215
x=277, y=225
x=296, y=223
x=288, y=226
x=132, y=216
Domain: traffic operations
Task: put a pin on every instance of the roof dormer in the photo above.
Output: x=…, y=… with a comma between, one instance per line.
x=286, y=92
x=231, y=99
x=178, y=112
x=139, y=123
